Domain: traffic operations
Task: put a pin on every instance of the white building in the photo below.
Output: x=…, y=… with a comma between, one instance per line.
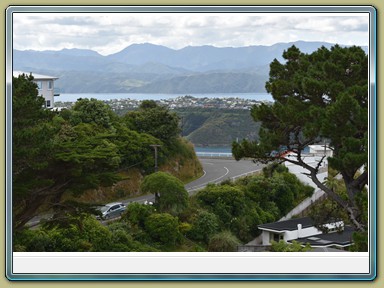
x=304, y=231
x=287, y=230
x=45, y=85
x=320, y=150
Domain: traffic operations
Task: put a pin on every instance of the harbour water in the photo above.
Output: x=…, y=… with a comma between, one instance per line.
x=72, y=97
x=213, y=149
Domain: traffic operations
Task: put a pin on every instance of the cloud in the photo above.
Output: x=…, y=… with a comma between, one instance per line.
x=110, y=33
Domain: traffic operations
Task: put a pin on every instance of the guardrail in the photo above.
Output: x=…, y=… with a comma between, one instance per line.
x=254, y=172
x=214, y=154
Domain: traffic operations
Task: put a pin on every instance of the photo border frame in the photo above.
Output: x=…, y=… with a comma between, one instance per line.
x=199, y=9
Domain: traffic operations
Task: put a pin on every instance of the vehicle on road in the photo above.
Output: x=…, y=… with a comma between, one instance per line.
x=111, y=210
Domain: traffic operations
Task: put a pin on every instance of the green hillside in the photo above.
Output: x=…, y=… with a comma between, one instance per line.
x=217, y=127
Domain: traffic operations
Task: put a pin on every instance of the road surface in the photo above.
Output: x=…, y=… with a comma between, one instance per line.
x=215, y=171
x=218, y=170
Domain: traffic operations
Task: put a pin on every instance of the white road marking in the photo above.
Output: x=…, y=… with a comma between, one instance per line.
x=221, y=176
x=212, y=181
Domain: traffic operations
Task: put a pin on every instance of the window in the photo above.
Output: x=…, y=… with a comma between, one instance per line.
x=50, y=85
x=277, y=237
x=39, y=84
x=48, y=103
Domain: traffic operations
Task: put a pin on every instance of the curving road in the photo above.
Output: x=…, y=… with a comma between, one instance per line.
x=218, y=170
x=215, y=171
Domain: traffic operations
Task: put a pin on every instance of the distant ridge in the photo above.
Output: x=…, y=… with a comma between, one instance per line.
x=150, y=68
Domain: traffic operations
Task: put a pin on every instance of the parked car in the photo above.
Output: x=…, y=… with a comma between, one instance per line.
x=112, y=210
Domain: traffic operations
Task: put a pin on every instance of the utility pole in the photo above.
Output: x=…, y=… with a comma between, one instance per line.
x=181, y=125
x=155, y=147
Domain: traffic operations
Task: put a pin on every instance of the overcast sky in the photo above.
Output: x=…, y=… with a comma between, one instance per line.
x=110, y=33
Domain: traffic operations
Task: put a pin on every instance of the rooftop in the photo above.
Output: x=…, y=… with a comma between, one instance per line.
x=341, y=239
x=287, y=225
x=35, y=75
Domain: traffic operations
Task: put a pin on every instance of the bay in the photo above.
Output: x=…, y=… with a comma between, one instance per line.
x=72, y=97
x=213, y=149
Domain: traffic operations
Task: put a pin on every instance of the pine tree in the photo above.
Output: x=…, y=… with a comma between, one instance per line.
x=318, y=96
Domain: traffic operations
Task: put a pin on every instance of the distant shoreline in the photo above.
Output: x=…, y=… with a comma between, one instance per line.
x=72, y=97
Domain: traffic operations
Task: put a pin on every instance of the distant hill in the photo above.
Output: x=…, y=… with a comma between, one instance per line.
x=217, y=127
x=149, y=68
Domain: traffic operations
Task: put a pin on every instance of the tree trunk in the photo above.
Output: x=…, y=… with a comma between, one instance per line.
x=35, y=201
x=349, y=206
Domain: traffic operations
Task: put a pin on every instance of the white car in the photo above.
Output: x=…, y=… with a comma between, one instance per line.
x=112, y=210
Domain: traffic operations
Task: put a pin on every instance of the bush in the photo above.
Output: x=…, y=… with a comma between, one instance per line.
x=204, y=226
x=223, y=242
x=163, y=229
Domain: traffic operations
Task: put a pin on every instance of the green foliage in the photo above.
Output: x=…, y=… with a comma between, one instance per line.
x=82, y=148
x=170, y=193
x=295, y=246
x=223, y=242
x=224, y=201
x=278, y=193
x=32, y=131
x=33, y=149
x=92, y=111
x=82, y=235
x=220, y=127
x=134, y=148
x=155, y=120
x=123, y=239
x=136, y=214
x=323, y=95
x=78, y=149
x=204, y=225
x=360, y=242
x=163, y=228
x=85, y=234
x=217, y=219
x=270, y=169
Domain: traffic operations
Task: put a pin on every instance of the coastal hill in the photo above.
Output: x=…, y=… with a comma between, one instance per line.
x=148, y=68
x=206, y=122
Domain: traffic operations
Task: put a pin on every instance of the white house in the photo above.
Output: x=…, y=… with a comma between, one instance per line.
x=287, y=230
x=45, y=86
x=303, y=231
x=320, y=150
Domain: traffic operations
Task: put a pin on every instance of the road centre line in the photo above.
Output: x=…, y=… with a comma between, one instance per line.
x=212, y=181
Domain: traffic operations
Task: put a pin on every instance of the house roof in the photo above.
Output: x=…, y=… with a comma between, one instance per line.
x=326, y=249
x=341, y=239
x=35, y=75
x=287, y=225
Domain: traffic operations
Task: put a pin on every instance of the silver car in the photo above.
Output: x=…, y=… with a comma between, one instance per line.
x=112, y=210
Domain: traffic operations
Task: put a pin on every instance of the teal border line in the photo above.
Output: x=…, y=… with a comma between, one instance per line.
x=197, y=277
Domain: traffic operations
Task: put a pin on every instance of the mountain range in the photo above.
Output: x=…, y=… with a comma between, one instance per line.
x=149, y=68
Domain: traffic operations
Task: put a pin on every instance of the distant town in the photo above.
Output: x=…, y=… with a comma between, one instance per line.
x=180, y=102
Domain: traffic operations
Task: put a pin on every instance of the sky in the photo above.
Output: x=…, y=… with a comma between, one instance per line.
x=111, y=33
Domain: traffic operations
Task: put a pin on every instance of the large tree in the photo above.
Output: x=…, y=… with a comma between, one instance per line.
x=52, y=154
x=170, y=193
x=155, y=120
x=318, y=97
